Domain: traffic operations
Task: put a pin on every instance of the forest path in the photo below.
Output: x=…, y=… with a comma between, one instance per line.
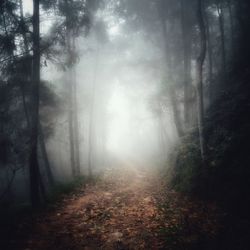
x=121, y=211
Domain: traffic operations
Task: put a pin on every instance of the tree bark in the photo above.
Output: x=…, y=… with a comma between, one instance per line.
x=33, y=162
x=222, y=38
x=45, y=157
x=168, y=61
x=76, y=121
x=91, y=118
x=210, y=58
x=70, y=83
x=199, y=78
x=26, y=110
x=71, y=125
x=187, y=46
x=73, y=107
x=231, y=20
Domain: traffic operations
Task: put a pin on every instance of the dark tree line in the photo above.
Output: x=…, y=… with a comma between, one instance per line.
x=199, y=41
x=23, y=54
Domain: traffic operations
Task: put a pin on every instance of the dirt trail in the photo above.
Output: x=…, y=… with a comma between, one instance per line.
x=124, y=210
x=119, y=212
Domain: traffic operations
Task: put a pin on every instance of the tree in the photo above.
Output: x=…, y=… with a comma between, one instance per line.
x=199, y=78
x=33, y=164
x=163, y=14
x=210, y=57
x=76, y=18
x=26, y=108
x=187, y=51
x=220, y=11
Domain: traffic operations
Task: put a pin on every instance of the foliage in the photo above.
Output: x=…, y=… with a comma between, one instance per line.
x=187, y=164
x=225, y=177
x=64, y=188
x=122, y=211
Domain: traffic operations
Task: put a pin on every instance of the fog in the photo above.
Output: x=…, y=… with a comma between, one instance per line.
x=124, y=124
x=118, y=76
x=116, y=87
x=111, y=89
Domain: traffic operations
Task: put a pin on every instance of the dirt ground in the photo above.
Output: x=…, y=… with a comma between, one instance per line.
x=128, y=208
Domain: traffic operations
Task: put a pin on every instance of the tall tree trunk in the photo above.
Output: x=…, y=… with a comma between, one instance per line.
x=45, y=157
x=91, y=118
x=199, y=78
x=33, y=164
x=231, y=20
x=187, y=60
x=23, y=32
x=71, y=124
x=26, y=110
x=168, y=60
x=76, y=121
x=220, y=11
x=90, y=151
x=210, y=58
x=70, y=83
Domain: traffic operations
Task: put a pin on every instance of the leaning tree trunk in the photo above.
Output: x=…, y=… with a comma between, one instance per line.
x=33, y=164
x=199, y=78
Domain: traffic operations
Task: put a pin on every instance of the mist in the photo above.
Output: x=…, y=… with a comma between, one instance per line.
x=124, y=124
x=117, y=81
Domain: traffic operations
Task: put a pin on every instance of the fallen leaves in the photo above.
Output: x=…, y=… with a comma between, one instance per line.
x=127, y=209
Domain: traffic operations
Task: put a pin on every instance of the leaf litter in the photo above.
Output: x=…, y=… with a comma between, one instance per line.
x=126, y=209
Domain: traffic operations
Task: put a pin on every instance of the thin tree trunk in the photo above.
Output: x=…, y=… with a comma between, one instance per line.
x=210, y=58
x=174, y=104
x=26, y=110
x=222, y=37
x=199, y=78
x=45, y=156
x=163, y=137
x=90, y=156
x=42, y=187
x=70, y=94
x=187, y=61
x=33, y=164
x=41, y=141
x=76, y=121
x=71, y=126
x=231, y=20
x=91, y=118
x=168, y=60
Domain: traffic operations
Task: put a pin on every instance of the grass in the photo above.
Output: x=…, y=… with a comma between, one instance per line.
x=61, y=188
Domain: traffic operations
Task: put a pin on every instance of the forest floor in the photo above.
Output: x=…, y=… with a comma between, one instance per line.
x=127, y=208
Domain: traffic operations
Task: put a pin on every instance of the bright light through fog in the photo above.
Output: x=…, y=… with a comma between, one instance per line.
x=28, y=6
x=119, y=113
x=114, y=30
x=117, y=120
x=131, y=126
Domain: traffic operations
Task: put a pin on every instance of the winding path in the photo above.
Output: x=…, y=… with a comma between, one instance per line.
x=126, y=209
x=118, y=212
